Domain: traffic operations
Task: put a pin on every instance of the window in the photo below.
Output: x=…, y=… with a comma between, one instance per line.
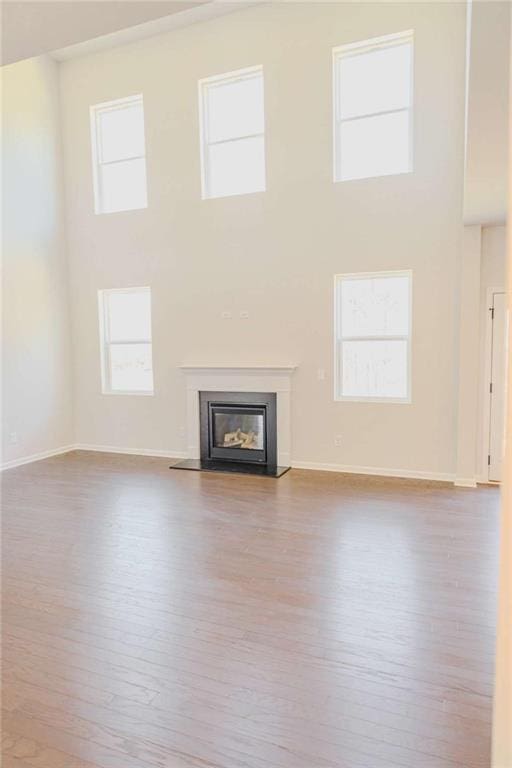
x=373, y=107
x=125, y=333
x=119, y=155
x=232, y=133
x=373, y=336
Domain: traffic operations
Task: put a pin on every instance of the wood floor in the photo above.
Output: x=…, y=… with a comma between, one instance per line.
x=188, y=620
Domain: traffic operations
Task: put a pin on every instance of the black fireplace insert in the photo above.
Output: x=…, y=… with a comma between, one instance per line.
x=238, y=426
x=238, y=433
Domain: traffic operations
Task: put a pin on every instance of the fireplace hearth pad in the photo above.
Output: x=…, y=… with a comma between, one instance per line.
x=239, y=467
x=238, y=434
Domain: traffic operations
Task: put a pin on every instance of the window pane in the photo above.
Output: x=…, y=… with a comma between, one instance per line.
x=236, y=167
x=131, y=368
x=123, y=186
x=375, y=306
x=129, y=315
x=234, y=108
x=121, y=132
x=377, y=81
x=374, y=369
x=374, y=146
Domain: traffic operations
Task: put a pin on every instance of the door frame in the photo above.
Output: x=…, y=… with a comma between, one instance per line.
x=486, y=427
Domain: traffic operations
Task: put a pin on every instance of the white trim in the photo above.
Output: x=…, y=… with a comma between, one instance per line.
x=233, y=76
x=384, y=41
x=356, y=49
x=382, y=113
x=248, y=73
x=166, y=454
x=486, y=406
x=95, y=110
x=414, y=474
x=338, y=339
x=240, y=378
x=237, y=367
x=106, y=344
x=465, y=482
x=36, y=457
x=135, y=392
x=362, y=399
x=177, y=20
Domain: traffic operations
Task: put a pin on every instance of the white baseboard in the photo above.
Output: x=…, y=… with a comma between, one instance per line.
x=465, y=482
x=36, y=457
x=484, y=480
x=174, y=454
x=413, y=474
x=169, y=454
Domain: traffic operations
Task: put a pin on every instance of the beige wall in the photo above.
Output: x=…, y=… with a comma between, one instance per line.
x=502, y=715
x=468, y=369
x=273, y=254
x=492, y=275
x=482, y=269
x=485, y=191
x=36, y=357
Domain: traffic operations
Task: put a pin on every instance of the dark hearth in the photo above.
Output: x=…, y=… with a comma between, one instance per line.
x=238, y=433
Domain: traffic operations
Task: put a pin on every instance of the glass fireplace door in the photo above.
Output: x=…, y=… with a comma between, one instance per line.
x=237, y=432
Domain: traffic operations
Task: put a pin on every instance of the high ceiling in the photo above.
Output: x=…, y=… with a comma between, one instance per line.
x=32, y=28
x=75, y=27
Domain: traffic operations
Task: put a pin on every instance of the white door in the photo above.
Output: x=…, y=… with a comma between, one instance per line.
x=497, y=387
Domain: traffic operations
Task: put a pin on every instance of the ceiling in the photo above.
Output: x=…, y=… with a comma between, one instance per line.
x=30, y=28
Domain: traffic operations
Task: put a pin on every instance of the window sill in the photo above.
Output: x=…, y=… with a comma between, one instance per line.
x=99, y=212
x=391, y=400
x=126, y=392
x=395, y=174
x=204, y=196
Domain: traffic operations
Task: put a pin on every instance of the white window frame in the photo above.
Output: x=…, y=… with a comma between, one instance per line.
x=106, y=344
x=339, y=338
x=204, y=142
x=97, y=162
x=356, y=49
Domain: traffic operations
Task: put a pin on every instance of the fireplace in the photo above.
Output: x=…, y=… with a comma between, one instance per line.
x=238, y=433
x=238, y=426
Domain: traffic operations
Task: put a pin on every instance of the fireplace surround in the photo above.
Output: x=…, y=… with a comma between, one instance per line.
x=238, y=433
x=243, y=380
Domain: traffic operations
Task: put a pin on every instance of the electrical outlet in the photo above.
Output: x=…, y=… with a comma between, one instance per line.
x=13, y=438
x=338, y=441
x=226, y=315
x=320, y=374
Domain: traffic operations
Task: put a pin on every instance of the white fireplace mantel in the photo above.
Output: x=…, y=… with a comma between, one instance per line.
x=239, y=377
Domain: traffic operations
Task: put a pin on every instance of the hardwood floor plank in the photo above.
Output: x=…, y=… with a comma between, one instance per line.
x=183, y=620
x=204, y=714
x=13, y=762
x=57, y=739
x=22, y=750
x=167, y=665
